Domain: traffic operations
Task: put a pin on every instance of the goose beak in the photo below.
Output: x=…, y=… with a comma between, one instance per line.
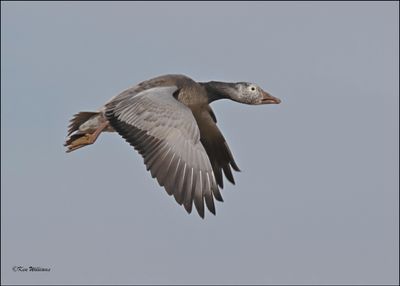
x=269, y=99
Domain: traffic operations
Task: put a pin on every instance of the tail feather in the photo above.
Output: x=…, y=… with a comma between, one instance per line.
x=77, y=138
x=79, y=119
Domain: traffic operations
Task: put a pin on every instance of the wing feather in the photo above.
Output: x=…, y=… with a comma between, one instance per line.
x=165, y=132
x=216, y=147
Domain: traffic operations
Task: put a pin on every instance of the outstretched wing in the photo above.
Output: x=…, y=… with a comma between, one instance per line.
x=217, y=149
x=165, y=133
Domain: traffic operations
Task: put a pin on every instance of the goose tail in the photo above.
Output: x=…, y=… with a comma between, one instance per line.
x=84, y=128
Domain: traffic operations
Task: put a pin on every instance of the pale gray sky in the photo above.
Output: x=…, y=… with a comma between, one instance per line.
x=317, y=201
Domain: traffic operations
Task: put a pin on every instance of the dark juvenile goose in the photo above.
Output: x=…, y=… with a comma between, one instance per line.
x=169, y=121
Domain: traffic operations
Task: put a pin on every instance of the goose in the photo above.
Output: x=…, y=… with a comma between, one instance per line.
x=169, y=121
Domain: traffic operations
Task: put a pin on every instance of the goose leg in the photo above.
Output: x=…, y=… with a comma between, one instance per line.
x=86, y=139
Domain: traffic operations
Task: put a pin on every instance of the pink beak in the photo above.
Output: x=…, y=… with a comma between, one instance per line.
x=269, y=99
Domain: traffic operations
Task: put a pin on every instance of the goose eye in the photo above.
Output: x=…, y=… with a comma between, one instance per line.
x=253, y=88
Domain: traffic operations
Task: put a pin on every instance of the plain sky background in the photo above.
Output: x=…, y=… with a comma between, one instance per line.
x=317, y=201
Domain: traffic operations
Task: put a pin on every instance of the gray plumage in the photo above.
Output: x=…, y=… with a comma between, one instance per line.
x=168, y=120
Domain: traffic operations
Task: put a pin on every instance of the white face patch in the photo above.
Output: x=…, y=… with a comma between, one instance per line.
x=249, y=93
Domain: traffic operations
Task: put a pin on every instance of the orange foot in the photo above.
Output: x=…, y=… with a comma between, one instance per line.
x=85, y=139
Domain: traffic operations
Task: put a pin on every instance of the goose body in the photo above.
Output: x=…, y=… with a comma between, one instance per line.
x=169, y=121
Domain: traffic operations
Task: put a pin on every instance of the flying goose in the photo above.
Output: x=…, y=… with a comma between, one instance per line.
x=169, y=121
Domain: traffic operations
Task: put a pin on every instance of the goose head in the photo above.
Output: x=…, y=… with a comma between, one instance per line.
x=243, y=92
x=251, y=93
